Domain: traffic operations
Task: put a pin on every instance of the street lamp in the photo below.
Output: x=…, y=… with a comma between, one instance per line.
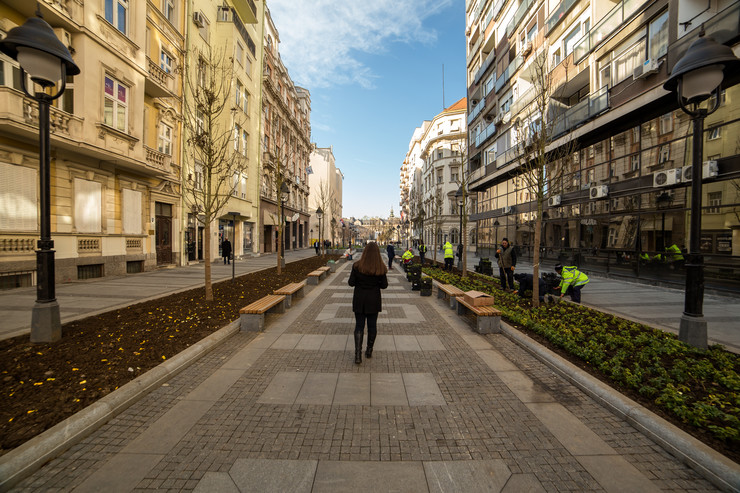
x=459, y=198
x=695, y=77
x=284, y=193
x=422, y=215
x=496, y=224
x=319, y=215
x=344, y=231
x=405, y=232
x=42, y=56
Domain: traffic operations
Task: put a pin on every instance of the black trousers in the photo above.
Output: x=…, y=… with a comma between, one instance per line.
x=506, y=275
x=448, y=263
x=575, y=293
x=372, y=325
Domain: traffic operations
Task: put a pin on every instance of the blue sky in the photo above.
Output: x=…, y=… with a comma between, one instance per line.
x=374, y=70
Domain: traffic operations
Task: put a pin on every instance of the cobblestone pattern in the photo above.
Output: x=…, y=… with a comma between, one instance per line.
x=483, y=419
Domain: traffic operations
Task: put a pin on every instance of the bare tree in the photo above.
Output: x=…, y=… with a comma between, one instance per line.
x=211, y=144
x=276, y=169
x=541, y=164
x=323, y=200
x=436, y=208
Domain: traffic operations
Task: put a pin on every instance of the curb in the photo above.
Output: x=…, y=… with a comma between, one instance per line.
x=22, y=461
x=707, y=462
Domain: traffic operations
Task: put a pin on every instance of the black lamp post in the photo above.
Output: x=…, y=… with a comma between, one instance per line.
x=344, y=234
x=459, y=199
x=40, y=54
x=496, y=224
x=319, y=215
x=284, y=193
x=422, y=215
x=695, y=77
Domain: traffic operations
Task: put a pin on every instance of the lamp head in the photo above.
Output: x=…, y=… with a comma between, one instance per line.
x=319, y=213
x=39, y=52
x=701, y=70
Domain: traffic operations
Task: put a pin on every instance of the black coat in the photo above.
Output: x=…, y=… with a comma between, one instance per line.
x=526, y=283
x=391, y=252
x=226, y=248
x=366, y=298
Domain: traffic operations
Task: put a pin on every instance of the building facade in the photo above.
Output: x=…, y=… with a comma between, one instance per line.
x=325, y=183
x=621, y=195
x=115, y=144
x=286, y=146
x=436, y=157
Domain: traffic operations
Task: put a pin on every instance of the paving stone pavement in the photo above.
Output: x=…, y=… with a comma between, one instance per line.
x=437, y=408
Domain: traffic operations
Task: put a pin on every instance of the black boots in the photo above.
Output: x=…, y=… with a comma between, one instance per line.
x=370, y=343
x=358, y=347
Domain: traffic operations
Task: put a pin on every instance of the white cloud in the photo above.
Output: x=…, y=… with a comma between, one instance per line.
x=320, y=40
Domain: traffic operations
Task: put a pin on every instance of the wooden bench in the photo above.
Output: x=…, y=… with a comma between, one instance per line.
x=252, y=316
x=314, y=277
x=325, y=268
x=448, y=291
x=487, y=318
x=291, y=290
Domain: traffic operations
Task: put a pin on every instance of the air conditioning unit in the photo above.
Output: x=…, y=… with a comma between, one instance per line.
x=647, y=68
x=507, y=209
x=499, y=119
x=65, y=37
x=554, y=200
x=599, y=192
x=666, y=177
x=709, y=169
x=527, y=49
x=199, y=19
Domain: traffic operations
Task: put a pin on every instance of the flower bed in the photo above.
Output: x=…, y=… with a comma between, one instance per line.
x=697, y=389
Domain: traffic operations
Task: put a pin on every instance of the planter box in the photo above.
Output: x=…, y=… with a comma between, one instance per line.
x=476, y=298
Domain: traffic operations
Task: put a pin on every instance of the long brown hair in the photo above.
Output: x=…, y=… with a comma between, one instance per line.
x=371, y=263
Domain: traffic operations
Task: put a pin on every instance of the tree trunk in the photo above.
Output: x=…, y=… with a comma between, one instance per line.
x=279, y=247
x=536, y=257
x=207, y=259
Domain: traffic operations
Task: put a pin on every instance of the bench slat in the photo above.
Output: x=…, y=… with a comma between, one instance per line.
x=481, y=311
x=451, y=290
x=291, y=288
x=316, y=273
x=263, y=304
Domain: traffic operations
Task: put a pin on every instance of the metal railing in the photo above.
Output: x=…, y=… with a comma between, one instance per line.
x=611, y=22
x=590, y=107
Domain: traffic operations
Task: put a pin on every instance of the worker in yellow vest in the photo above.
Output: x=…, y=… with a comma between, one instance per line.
x=572, y=281
x=449, y=255
x=407, y=257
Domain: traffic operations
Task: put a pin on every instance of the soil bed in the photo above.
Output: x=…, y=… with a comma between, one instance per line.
x=43, y=384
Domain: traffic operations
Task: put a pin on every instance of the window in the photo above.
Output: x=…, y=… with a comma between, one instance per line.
x=66, y=101
x=715, y=201
x=245, y=100
x=131, y=211
x=714, y=133
x=245, y=140
x=169, y=10
x=224, y=14
x=712, y=100
x=239, y=89
x=440, y=153
x=165, y=61
x=199, y=122
x=164, y=139
x=658, y=36
x=116, y=104
x=18, y=198
x=248, y=66
x=237, y=136
x=239, y=52
x=201, y=73
x=635, y=162
x=198, y=178
x=556, y=57
x=666, y=123
x=630, y=58
x=88, y=206
x=454, y=177
x=116, y=12
x=664, y=154
x=570, y=40
x=439, y=177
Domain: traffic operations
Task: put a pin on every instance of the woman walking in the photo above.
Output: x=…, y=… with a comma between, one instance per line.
x=368, y=277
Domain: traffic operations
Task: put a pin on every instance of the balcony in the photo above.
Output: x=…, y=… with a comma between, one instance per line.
x=506, y=75
x=483, y=136
x=518, y=16
x=158, y=160
x=247, y=10
x=559, y=14
x=476, y=110
x=486, y=64
x=590, y=107
x=611, y=22
x=159, y=83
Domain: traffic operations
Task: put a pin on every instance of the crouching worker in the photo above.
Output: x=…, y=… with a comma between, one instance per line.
x=572, y=280
x=526, y=283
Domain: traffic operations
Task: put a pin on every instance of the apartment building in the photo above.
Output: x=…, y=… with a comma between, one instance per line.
x=325, y=182
x=224, y=39
x=286, y=147
x=433, y=169
x=622, y=193
x=115, y=143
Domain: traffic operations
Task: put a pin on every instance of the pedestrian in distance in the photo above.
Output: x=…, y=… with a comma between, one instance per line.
x=226, y=251
x=422, y=251
x=449, y=255
x=391, y=255
x=572, y=281
x=459, y=255
x=506, y=264
x=316, y=246
x=368, y=277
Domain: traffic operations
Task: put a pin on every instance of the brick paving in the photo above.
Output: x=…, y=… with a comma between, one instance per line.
x=491, y=423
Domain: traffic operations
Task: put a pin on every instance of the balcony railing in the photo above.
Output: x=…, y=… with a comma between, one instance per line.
x=483, y=136
x=476, y=110
x=486, y=63
x=506, y=75
x=612, y=21
x=518, y=16
x=523, y=101
x=590, y=107
x=558, y=15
